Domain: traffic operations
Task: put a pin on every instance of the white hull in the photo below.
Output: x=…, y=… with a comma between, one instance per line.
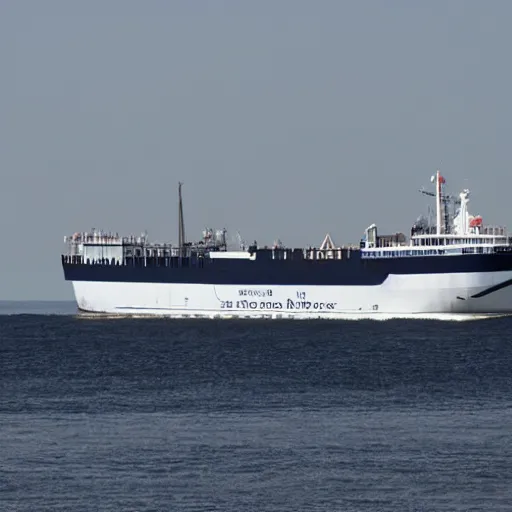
x=417, y=296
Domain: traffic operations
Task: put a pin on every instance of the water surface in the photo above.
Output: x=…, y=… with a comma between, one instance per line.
x=156, y=414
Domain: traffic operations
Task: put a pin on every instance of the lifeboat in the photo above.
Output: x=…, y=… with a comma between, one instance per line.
x=475, y=222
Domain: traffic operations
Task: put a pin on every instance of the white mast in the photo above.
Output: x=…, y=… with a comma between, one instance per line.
x=438, y=201
x=438, y=179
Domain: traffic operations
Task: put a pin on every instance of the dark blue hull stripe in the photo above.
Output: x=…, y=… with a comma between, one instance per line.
x=492, y=289
x=353, y=271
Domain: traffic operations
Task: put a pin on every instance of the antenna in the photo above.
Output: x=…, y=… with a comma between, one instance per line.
x=181, y=232
x=241, y=241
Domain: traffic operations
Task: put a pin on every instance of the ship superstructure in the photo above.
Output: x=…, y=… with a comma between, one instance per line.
x=455, y=232
x=455, y=265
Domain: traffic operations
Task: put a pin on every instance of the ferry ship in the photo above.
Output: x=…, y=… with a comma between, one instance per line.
x=457, y=265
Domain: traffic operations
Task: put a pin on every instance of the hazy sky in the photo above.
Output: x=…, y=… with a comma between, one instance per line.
x=283, y=118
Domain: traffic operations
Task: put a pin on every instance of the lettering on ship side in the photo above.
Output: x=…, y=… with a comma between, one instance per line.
x=255, y=293
x=300, y=303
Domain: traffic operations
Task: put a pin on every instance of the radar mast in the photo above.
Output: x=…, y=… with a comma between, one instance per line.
x=181, y=234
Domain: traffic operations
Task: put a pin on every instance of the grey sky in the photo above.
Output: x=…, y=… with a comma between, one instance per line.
x=283, y=118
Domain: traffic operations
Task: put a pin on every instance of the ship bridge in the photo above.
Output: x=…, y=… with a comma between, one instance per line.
x=455, y=232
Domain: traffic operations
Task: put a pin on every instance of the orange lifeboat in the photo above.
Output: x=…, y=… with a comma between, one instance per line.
x=475, y=222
